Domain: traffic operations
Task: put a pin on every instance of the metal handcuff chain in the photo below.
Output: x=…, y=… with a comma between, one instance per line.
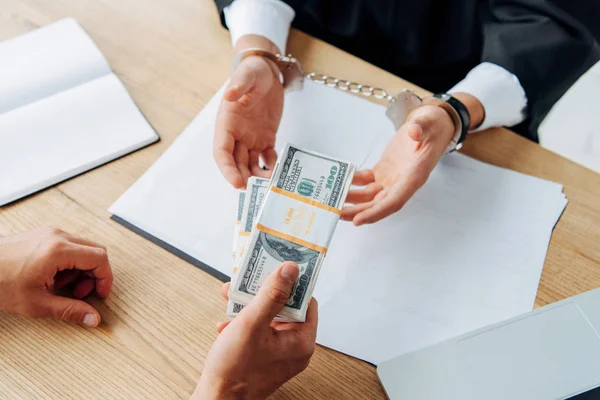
x=398, y=108
x=349, y=86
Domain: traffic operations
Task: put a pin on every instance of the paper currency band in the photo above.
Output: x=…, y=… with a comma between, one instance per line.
x=306, y=200
x=244, y=233
x=291, y=238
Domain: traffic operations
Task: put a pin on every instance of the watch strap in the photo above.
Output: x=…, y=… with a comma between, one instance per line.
x=460, y=117
x=462, y=111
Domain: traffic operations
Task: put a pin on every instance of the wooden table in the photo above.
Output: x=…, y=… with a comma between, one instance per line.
x=159, y=322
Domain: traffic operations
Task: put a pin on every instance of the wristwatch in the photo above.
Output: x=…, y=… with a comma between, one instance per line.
x=400, y=106
x=290, y=68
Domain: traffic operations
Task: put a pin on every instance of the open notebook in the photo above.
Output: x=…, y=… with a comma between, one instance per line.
x=62, y=110
x=466, y=251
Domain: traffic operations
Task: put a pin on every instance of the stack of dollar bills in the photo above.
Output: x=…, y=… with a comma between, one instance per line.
x=291, y=217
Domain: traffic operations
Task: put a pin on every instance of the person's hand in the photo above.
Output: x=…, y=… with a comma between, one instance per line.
x=405, y=165
x=37, y=267
x=247, y=121
x=253, y=355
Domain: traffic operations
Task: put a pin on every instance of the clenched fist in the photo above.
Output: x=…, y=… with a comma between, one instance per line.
x=42, y=270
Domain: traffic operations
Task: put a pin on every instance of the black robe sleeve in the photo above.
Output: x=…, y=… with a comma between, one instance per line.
x=546, y=48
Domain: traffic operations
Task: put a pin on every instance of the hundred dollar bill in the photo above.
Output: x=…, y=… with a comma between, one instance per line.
x=249, y=206
x=238, y=221
x=256, y=190
x=300, y=212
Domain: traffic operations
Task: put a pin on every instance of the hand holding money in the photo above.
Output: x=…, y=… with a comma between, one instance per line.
x=295, y=223
x=253, y=356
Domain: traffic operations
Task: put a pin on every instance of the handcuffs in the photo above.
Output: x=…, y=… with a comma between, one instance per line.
x=398, y=108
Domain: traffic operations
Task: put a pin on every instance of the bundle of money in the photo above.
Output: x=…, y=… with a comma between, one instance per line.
x=238, y=223
x=249, y=205
x=290, y=219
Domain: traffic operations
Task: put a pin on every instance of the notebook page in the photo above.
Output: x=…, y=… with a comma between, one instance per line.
x=47, y=61
x=55, y=138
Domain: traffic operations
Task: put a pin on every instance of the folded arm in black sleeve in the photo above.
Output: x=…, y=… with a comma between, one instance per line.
x=546, y=48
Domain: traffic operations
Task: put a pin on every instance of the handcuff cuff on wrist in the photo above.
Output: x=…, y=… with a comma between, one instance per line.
x=399, y=106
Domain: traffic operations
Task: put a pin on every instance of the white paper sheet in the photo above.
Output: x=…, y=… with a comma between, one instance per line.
x=62, y=110
x=187, y=181
x=465, y=252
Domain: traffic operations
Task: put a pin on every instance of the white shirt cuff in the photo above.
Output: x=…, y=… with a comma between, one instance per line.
x=268, y=18
x=500, y=92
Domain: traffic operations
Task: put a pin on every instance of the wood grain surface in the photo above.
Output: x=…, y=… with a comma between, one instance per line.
x=159, y=322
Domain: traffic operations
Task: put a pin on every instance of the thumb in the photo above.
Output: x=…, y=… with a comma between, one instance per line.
x=70, y=310
x=242, y=80
x=419, y=123
x=415, y=131
x=272, y=295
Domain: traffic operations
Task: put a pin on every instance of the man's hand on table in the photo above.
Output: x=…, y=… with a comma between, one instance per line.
x=253, y=355
x=39, y=268
x=249, y=116
x=406, y=163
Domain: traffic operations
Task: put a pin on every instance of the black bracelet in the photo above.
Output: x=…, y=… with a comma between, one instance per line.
x=461, y=110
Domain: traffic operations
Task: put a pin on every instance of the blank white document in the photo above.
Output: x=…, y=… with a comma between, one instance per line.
x=465, y=252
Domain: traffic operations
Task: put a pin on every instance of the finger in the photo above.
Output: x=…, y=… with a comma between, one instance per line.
x=241, y=82
x=272, y=295
x=69, y=255
x=393, y=202
x=65, y=278
x=349, y=212
x=414, y=131
x=253, y=159
x=363, y=177
x=310, y=324
x=222, y=325
x=309, y=327
x=255, y=169
x=269, y=157
x=241, y=160
x=278, y=324
x=365, y=194
x=70, y=310
x=225, y=291
x=419, y=125
x=223, y=153
x=285, y=326
x=83, y=241
x=84, y=287
x=262, y=173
